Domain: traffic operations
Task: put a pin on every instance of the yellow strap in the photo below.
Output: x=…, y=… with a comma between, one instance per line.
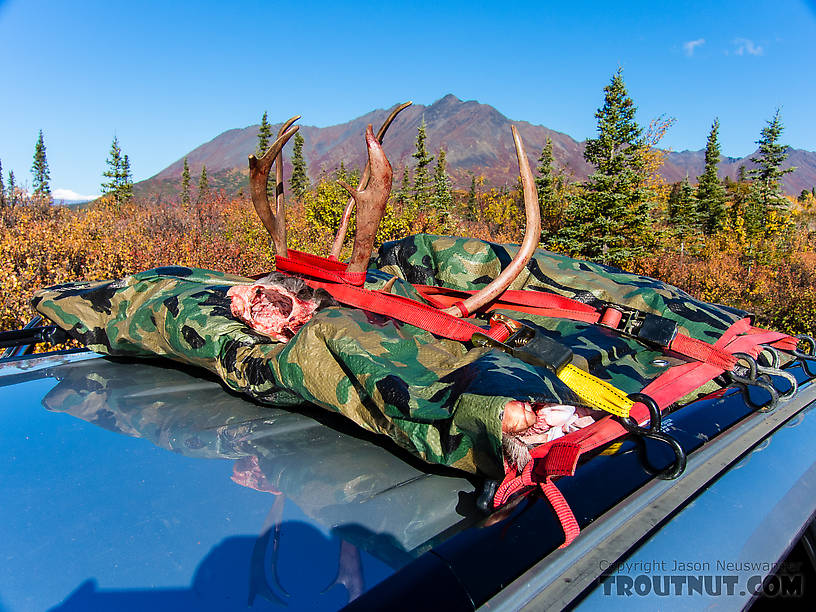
x=595, y=392
x=612, y=448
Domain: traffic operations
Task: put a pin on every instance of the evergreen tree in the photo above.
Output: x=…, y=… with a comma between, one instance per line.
x=471, y=201
x=203, y=184
x=264, y=136
x=114, y=171
x=39, y=169
x=710, y=192
x=125, y=191
x=120, y=180
x=609, y=219
x=12, y=190
x=185, y=184
x=549, y=185
x=443, y=198
x=422, y=183
x=299, y=183
x=404, y=194
x=766, y=191
x=737, y=193
x=683, y=208
x=2, y=188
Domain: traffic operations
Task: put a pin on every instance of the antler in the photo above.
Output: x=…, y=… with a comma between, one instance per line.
x=370, y=203
x=273, y=220
x=532, y=232
x=340, y=237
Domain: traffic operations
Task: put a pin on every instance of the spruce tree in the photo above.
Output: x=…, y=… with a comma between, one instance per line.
x=422, y=183
x=114, y=171
x=299, y=183
x=2, y=188
x=711, y=195
x=264, y=136
x=125, y=191
x=443, y=198
x=12, y=190
x=203, y=185
x=185, y=184
x=549, y=186
x=609, y=219
x=120, y=180
x=39, y=169
x=683, y=208
x=404, y=193
x=471, y=201
x=766, y=190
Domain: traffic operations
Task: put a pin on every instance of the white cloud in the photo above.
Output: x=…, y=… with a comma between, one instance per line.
x=67, y=194
x=691, y=45
x=747, y=46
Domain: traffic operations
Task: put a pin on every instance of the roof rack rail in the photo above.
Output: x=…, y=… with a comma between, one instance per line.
x=21, y=341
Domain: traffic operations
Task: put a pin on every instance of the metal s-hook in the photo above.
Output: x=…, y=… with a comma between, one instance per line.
x=805, y=358
x=772, y=358
x=655, y=431
x=753, y=379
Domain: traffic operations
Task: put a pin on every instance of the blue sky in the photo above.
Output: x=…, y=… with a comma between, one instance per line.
x=164, y=77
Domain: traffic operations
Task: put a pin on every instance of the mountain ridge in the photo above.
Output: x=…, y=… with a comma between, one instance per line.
x=476, y=138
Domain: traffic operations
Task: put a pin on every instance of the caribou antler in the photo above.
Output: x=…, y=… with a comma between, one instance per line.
x=370, y=203
x=273, y=220
x=532, y=233
x=340, y=237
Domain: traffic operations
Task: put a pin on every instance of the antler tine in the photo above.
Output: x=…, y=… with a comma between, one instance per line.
x=279, y=199
x=370, y=203
x=274, y=222
x=532, y=232
x=387, y=123
x=340, y=237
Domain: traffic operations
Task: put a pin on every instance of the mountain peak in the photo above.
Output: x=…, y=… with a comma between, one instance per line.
x=447, y=100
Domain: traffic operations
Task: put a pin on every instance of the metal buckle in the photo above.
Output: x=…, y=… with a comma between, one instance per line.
x=644, y=326
x=526, y=344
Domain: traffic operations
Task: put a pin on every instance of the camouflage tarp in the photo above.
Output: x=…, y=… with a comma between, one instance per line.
x=440, y=399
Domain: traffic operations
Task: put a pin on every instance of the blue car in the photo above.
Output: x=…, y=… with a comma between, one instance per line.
x=144, y=485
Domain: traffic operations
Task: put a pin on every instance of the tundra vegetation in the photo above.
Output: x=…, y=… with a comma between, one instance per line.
x=736, y=242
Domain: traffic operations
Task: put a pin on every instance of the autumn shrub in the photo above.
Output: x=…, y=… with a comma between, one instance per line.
x=773, y=275
x=772, y=278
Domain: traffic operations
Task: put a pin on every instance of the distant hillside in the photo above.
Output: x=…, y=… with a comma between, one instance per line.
x=475, y=136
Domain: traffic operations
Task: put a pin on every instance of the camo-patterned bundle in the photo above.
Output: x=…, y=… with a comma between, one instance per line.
x=438, y=398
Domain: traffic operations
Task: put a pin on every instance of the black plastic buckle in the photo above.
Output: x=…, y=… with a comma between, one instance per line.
x=529, y=346
x=644, y=326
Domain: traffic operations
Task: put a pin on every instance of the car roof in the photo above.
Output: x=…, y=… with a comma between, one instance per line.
x=142, y=483
x=94, y=501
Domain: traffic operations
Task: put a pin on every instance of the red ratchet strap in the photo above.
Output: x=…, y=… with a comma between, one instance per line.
x=563, y=512
x=342, y=284
x=344, y=288
x=560, y=457
x=558, y=306
x=297, y=262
